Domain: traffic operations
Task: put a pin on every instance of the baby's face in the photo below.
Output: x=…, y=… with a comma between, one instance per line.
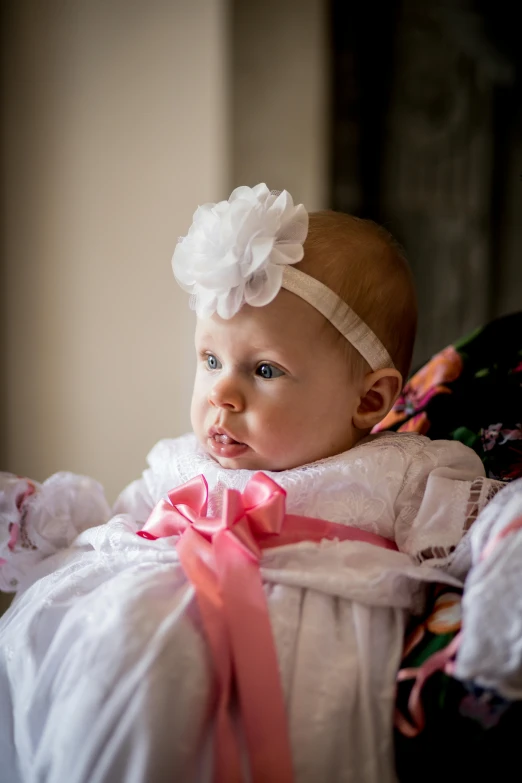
x=273, y=387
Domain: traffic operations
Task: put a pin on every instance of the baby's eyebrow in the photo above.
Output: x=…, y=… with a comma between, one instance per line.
x=270, y=350
x=203, y=337
x=262, y=347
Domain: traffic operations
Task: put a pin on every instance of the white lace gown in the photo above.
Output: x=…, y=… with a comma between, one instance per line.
x=105, y=675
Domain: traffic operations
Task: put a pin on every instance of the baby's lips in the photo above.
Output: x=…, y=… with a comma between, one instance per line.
x=225, y=439
x=222, y=436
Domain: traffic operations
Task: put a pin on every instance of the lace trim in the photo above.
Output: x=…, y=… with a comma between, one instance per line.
x=439, y=553
x=481, y=491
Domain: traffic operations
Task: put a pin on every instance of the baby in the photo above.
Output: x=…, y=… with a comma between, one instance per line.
x=236, y=638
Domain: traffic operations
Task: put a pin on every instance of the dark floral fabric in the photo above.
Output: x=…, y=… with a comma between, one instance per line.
x=472, y=392
x=470, y=733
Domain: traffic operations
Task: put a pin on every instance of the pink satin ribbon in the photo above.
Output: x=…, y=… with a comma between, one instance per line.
x=441, y=661
x=220, y=557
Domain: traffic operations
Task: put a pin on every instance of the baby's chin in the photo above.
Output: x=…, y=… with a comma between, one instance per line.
x=249, y=459
x=243, y=456
x=239, y=457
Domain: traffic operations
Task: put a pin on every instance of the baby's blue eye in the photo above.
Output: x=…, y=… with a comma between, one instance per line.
x=212, y=362
x=268, y=371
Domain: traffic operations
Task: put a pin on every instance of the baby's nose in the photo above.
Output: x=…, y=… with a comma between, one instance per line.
x=226, y=393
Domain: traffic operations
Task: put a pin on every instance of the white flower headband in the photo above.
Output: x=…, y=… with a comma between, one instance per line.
x=241, y=251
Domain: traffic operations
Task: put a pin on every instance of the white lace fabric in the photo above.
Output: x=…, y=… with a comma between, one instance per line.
x=46, y=521
x=104, y=670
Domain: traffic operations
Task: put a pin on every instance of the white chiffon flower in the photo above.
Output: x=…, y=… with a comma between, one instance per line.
x=236, y=250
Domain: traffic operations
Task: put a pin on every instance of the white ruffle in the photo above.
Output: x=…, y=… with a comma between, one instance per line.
x=236, y=250
x=47, y=520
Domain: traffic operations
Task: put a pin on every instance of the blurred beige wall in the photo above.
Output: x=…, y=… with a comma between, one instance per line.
x=115, y=127
x=117, y=122
x=280, y=96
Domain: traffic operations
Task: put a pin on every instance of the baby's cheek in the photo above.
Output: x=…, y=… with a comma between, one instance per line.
x=283, y=433
x=198, y=409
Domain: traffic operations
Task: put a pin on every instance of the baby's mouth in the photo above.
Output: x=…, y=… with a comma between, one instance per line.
x=226, y=440
x=224, y=445
x=221, y=435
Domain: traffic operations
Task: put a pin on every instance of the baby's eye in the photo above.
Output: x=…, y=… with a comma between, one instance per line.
x=268, y=371
x=212, y=362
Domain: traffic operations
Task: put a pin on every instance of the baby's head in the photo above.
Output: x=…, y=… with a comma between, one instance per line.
x=365, y=266
x=277, y=384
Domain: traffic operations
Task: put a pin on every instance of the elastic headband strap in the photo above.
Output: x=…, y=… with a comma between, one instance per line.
x=340, y=315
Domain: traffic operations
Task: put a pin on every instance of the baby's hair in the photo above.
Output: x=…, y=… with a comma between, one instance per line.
x=365, y=266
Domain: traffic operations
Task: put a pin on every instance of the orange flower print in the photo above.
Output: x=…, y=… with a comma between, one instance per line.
x=446, y=616
x=430, y=380
x=445, y=367
x=418, y=423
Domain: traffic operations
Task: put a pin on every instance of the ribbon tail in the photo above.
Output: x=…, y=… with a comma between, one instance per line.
x=195, y=555
x=255, y=662
x=439, y=661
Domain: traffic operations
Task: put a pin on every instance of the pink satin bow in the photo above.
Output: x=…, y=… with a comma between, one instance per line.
x=220, y=557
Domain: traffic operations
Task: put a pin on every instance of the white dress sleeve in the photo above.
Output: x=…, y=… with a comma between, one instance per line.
x=36, y=520
x=443, y=491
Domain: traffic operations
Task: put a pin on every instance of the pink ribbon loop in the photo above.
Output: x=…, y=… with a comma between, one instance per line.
x=440, y=661
x=220, y=557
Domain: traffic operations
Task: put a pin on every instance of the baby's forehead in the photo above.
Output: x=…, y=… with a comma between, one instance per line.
x=286, y=322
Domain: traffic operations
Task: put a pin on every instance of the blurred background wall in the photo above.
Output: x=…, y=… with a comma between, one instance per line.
x=280, y=96
x=115, y=126
x=120, y=116
x=427, y=139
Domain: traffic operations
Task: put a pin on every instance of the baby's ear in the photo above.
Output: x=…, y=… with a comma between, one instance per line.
x=380, y=390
